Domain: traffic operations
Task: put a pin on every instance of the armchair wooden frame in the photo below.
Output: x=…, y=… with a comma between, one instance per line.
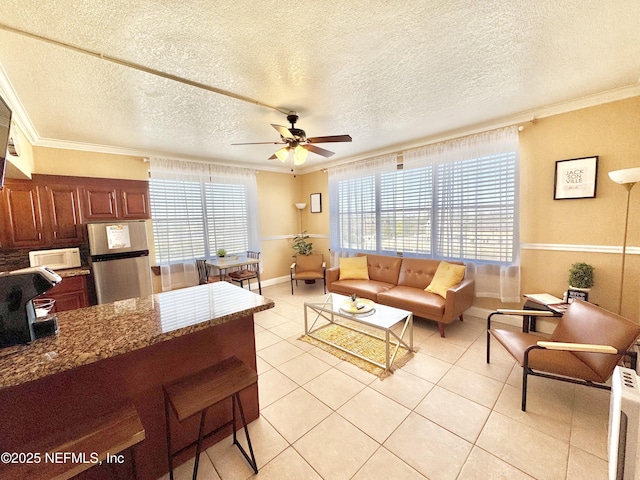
x=542, y=344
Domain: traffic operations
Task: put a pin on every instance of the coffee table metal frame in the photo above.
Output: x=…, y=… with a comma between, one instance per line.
x=382, y=317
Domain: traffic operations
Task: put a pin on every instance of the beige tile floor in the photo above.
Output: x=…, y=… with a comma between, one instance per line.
x=445, y=415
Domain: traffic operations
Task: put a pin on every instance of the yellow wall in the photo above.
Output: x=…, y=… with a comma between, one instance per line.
x=316, y=224
x=549, y=229
x=609, y=131
x=277, y=193
x=55, y=161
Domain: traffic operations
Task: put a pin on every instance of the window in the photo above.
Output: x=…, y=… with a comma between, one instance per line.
x=451, y=201
x=198, y=209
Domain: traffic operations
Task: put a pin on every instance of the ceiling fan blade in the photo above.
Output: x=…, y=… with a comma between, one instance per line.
x=330, y=138
x=283, y=131
x=272, y=157
x=318, y=150
x=258, y=143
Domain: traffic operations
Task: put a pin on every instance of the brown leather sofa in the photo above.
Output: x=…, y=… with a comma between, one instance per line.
x=401, y=282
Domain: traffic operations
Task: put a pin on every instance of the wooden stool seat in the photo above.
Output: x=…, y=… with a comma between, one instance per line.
x=196, y=393
x=109, y=434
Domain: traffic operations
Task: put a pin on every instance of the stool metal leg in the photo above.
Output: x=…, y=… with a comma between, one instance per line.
x=252, y=459
x=199, y=444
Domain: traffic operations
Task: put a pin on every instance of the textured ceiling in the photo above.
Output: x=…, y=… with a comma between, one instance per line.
x=387, y=73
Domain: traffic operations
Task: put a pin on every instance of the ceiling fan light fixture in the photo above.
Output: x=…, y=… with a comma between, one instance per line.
x=300, y=155
x=283, y=154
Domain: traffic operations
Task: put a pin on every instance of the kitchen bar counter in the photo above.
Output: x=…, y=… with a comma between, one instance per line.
x=103, y=331
x=125, y=351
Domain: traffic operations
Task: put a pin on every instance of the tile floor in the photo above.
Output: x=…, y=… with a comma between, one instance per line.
x=445, y=415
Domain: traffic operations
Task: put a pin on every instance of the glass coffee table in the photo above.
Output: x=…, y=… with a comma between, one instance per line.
x=335, y=309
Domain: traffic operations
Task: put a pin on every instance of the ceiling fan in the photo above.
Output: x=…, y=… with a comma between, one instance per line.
x=296, y=141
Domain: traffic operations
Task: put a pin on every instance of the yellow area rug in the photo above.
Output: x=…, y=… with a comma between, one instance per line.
x=362, y=344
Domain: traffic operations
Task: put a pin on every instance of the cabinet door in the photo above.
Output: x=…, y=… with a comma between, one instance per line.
x=70, y=294
x=100, y=203
x=64, y=217
x=23, y=215
x=135, y=203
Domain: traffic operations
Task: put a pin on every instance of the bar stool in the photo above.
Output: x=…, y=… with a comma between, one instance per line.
x=196, y=393
x=90, y=442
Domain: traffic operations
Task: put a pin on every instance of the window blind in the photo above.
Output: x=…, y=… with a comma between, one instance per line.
x=456, y=201
x=194, y=219
x=178, y=220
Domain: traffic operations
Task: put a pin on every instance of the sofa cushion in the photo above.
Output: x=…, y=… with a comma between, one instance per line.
x=417, y=272
x=421, y=303
x=384, y=268
x=363, y=288
x=354, y=268
x=447, y=275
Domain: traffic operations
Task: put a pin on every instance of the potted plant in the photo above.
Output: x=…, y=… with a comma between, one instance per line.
x=580, y=281
x=221, y=252
x=300, y=244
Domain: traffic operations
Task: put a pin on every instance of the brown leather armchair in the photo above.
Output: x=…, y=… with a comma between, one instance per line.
x=308, y=267
x=584, y=348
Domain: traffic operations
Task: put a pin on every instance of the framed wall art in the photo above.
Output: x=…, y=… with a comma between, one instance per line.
x=575, y=178
x=316, y=202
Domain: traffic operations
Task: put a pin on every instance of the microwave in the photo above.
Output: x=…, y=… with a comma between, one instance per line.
x=57, y=259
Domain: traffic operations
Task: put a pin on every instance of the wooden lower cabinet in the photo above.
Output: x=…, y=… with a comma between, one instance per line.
x=70, y=294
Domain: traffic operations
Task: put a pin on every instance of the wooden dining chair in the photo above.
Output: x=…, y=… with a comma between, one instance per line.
x=247, y=272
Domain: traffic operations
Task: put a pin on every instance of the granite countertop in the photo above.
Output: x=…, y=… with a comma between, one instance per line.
x=73, y=272
x=95, y=333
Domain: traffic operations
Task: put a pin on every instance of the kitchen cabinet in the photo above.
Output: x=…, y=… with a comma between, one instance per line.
x=135, y=202
x=49, y=211
x=70, y=294
x=22, y=215
x=64, y=215
x=119, y=199
x=100, y=203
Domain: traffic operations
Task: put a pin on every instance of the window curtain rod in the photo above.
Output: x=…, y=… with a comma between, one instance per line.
x=142, y=68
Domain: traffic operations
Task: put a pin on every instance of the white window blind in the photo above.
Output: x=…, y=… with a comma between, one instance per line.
x=406, y=211
x=357, y=220
x=475, y=204
x=227, y=220
x=197, y=208
x=455, y=201
x=178, y=220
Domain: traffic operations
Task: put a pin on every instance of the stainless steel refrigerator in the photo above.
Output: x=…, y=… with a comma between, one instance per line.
x=119, y=257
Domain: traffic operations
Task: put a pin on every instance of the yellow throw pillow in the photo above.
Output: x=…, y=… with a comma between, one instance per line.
x=354, y=268
x=447, y=275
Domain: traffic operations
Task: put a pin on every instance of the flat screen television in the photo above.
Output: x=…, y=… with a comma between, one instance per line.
x=5, y=127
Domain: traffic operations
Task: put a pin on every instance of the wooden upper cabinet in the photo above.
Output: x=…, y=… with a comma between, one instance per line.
x=64, y=214
x=135, y=202
x=22, y=214
x=100, y=203
x=110, y=199
x=51, y=210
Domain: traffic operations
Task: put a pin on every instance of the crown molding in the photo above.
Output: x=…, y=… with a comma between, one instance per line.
x=21, y=118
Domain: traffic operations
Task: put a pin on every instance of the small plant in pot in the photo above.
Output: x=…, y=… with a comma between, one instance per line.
x=221, y=252
x=580, y=280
